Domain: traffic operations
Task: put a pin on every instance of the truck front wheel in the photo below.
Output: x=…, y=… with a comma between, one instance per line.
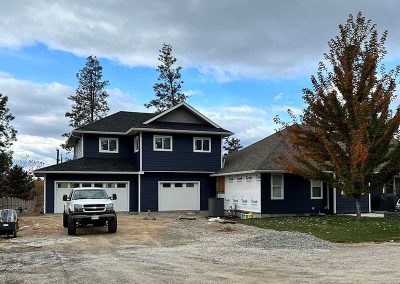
x=112, y=225
x=65, y=220
x=71, y=226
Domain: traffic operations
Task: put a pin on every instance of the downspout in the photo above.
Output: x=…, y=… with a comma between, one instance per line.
x=334, y=196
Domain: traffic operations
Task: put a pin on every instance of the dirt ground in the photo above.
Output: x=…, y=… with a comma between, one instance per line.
x=167, y=250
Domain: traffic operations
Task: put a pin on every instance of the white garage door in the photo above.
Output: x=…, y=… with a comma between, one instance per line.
x=119, y=188
x=173, y=196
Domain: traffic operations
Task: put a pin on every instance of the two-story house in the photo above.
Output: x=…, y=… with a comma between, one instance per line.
x=157, y=162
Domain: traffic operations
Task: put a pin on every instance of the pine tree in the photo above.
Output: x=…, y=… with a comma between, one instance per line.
x=232, y=144
x=19, y=183
x=168, y=88
x=346, y=134
x=7, y=137
x=90, y=100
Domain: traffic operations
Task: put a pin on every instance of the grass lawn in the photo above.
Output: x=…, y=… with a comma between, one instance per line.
x=339, y=229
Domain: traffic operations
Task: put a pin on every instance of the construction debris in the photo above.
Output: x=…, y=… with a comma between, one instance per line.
x=222, y=221
x=186, y=218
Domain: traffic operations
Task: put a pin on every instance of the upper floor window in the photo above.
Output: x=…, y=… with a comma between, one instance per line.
x=136, y=145
x=201, y=144
x=108, y=145
x=162, y=143
x=316, y=189
x=277, y=191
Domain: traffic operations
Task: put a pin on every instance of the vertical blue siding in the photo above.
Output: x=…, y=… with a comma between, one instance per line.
x=297, y=196
x=51, y=178
x=149, y=188
x=348, y=205
x=91, y=146
x=182, y=158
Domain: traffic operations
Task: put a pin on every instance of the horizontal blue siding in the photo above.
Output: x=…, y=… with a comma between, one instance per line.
x=182, y=158
x=297, y=196
x=149, y=188
x=91, y=146
x=348, y=205
x=51, y=178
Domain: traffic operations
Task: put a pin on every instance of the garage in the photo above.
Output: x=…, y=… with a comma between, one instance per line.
x=173, y=196
x=121, y=189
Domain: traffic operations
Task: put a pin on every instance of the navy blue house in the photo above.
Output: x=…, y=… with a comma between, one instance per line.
x=252, y=181
x=157, y=162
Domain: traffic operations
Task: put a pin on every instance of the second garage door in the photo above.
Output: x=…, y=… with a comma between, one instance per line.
x=173, y=196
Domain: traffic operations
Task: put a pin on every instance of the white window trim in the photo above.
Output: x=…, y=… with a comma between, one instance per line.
x=322, y=190
x=202, y=140
x=136, y=144
x=108, y=138
x=282, y=188
x=162, y=136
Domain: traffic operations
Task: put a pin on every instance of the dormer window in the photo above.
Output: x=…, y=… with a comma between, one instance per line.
x=201, y=144
x=108, y=145
x=162, y=143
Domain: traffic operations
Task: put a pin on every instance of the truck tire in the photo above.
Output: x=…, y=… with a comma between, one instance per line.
x=15, y=233
x=112, y=225
x=71, y=226
x=65, y=220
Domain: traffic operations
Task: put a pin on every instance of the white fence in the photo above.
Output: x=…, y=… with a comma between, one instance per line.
x=33, y=205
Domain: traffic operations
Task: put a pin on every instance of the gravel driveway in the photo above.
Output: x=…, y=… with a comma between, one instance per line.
x=168, y=250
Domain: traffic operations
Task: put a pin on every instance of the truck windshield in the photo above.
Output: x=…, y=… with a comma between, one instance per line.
x=90, y=194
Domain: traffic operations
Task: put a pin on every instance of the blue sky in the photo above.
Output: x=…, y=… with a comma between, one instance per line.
x=242, y=64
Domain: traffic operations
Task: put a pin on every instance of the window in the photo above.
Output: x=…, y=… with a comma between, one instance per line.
x=276, y=186
x=178, y=185
x=136, y=145
x=239, y=179
x=162, y=143
x=230, y=179
x=316, y=189
x=201, y=144
x=190, y=185
x=108, y=145
x=166, y=185
x=249, y=178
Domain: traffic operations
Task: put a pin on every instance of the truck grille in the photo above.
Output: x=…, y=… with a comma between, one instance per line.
x=94, y=208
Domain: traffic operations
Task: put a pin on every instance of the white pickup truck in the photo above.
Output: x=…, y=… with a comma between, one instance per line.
x=89, y=205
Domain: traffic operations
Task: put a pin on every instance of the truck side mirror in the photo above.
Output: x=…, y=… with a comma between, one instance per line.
x=65, y=197
x=114, y=196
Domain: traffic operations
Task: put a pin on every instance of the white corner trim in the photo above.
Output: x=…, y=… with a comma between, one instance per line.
x=202, y=140
x=282, y=188
x=188, y=107
x=139, y=192
x=107, y=151
x=322, y=190
x=44, y=194
x=162, y=137
x=141, y=151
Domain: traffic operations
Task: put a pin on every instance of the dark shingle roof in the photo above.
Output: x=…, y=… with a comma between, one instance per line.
x=261, y=155
x=121, y=121
x=92, y=165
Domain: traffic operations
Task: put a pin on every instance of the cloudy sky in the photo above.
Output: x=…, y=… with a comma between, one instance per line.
x=244, y=61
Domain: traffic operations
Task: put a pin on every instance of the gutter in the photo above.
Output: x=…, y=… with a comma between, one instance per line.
x=247, y=172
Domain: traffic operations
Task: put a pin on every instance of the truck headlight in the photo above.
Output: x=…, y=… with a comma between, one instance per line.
x=78, y=207
x=110, y=207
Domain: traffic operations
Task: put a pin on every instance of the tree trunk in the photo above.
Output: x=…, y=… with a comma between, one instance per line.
x=358, y=208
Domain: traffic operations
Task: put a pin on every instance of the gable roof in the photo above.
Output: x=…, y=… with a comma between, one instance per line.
x=91, y=165
x=125, y=122
x=260, y=156
x=182, y=104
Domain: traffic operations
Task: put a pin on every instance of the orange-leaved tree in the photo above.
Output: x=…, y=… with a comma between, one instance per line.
x=346, y=135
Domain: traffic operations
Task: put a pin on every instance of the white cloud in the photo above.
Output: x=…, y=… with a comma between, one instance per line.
x=226, y=40
x=244, y=109
x=191, y=93
x=285, y=108
x=39, y=111
x=278, y=97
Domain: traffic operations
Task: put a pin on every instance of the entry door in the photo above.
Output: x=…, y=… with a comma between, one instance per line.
x=175, y=196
